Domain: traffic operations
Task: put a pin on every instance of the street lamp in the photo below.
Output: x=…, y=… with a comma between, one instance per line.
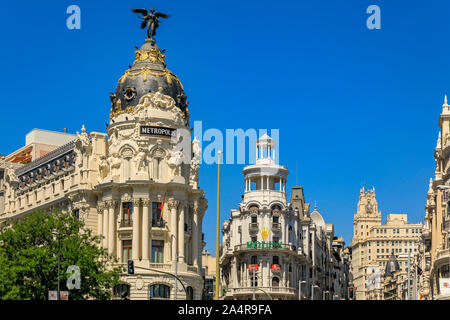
x=59, y=256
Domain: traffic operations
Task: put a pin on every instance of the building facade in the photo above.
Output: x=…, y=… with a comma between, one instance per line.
x=434, y=258
x=132, y=185
x=275, y=248
x=374, y=242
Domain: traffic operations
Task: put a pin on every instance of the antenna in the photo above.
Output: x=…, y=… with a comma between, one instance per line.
x=296, y=172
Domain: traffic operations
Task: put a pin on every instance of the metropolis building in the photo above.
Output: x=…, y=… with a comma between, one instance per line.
x=131, y=185
x=275, y=248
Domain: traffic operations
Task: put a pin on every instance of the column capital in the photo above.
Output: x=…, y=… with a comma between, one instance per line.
x=136, y=202
x=173, y=204
x=111, y=203
x=146, y=202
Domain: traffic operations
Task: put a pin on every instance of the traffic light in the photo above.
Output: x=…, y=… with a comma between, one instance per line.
x=130, y=267
x=350, y=293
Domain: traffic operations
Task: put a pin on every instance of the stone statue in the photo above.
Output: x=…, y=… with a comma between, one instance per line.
x=141, y=161
x=114, y=163
x=175, y=161
x=11, y=177
x=195, y=163
x=152, y=20
x=103, y=169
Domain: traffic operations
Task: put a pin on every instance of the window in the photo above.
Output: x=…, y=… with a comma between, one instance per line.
x=275, y=260
x=254, y=282
x=275, y=282
x=126, y=250
x=190, y=293
x=254, y=260
x=254, y=219
x=275, y=219
x=121, y=289
x=254, y=239
x=276, y=239
x=76, y=213
x=156, y=215
x=158, y=251
x=159, y=291
x=127, y=212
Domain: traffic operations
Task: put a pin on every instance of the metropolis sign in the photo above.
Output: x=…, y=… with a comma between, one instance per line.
x=157, y=131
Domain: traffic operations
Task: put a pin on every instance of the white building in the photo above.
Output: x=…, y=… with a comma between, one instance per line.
x=271, y=246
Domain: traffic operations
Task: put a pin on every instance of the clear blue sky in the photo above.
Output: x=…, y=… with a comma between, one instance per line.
x=354, y=106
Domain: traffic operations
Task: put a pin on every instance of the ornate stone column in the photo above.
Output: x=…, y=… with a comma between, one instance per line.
x=105, y=225
x=173, y=205
x=111, y=226
x=146, y=236
x=136, y=222
x=100, y=218
x=181, y=233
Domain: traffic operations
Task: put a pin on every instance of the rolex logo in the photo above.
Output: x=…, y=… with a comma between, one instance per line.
x=264, y=233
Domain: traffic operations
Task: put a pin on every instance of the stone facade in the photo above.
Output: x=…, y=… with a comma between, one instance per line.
x=434, y=258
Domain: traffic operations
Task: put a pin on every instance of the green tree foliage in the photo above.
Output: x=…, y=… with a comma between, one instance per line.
x=29, y=258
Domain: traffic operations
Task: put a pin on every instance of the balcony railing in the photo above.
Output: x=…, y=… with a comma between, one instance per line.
x=253, y=227
x=158, y=223
x=250, y=290
x=276, y=227
x=126, y=223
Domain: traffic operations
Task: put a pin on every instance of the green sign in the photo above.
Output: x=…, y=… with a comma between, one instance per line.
x=264, y=245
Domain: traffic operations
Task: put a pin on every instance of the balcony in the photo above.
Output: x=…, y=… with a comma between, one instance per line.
x=125, y=223
x=270, y=290
x=158, y=223
x=276, y=227
x=253, y=227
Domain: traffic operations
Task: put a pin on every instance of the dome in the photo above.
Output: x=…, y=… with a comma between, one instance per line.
x=148, y=73
x=392, y=265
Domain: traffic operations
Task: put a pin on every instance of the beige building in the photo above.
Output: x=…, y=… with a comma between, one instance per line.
x=209, y=275
x=374, y=242
x=132, y=185
x=434, y=258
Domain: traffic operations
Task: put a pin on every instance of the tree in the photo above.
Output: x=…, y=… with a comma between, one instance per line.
x=29, y=258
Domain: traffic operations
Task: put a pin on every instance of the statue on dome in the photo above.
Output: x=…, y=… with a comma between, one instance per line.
x=151, y=20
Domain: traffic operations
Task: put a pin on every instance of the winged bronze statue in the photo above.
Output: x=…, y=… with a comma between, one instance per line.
x=151, y=20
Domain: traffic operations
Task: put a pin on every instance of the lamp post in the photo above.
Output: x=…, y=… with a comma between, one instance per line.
x=59, y=257
x=218, y=228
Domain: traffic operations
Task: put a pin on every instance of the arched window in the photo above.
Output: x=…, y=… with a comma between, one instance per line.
x=275, y=282
x=253, y=209
x=276, y=209
x=190, y=293
x=121, y=290
x=159, y=291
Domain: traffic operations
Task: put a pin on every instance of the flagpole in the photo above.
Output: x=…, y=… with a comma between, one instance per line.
x=218, y=228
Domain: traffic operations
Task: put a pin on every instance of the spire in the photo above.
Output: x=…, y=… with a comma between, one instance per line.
x=430, y=186
x=315, y=205
x=445, y=100
x=438, y=143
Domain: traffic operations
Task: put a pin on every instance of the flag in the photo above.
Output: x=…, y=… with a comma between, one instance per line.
x=162, y=205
